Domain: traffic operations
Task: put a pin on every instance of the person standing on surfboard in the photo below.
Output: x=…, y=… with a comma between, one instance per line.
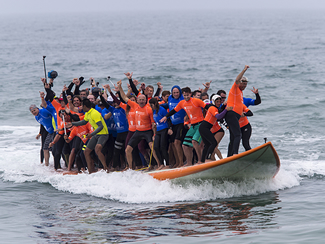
x=193, y=108
x=143, y=120
x=44, y=117
x=209, y=121
x=235, y=100
x=98, y=137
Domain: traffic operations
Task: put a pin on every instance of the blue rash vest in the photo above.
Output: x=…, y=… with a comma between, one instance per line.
x=110, y=123
x=161, y=113
x=52, y=110
x=248, y=101
x=98, y=109
x=119, y=116
x=44, y=117
x=177, y=118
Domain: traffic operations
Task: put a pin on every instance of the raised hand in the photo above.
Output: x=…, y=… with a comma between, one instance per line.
x=207, y=84
x=246, y=67
x=65, y=88
x=42, y=94
x=93, y=83
x=76, y=81
x=43, y=80
x=254, y=90
x=129, y=75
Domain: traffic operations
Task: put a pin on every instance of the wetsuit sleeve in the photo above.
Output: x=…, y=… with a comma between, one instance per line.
x=157, y=92
x=105, y=103
x=221, y=115
x=115, y=98
x=79, y=123
x=99, y=128
x=171, y=113
x=64, y=95
x=249, y=113
x=258, y=99
x=169, y=122
x=121, y=99
x=76, y=90
x=49, y=94
x=133, y=87
x=69, y=89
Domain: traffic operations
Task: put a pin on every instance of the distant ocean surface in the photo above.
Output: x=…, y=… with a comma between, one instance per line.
x=286, y=54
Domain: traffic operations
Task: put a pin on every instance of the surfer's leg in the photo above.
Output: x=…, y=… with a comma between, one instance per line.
x=235, y=133
x=218, y=136
x=157, y=147
x=46, y=157
x=102, y=139
x=90, y=162
x=164, y=146
x=128, y=152
x=246, y=135
x=188, y=151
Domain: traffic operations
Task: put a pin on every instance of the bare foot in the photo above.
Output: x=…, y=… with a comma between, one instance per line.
x=126, y=168
x=160, y=167
x=187, y=164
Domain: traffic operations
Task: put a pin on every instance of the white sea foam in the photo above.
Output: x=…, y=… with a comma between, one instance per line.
x=19, y=162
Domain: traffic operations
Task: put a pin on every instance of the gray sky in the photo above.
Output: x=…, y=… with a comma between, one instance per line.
x=48, y=6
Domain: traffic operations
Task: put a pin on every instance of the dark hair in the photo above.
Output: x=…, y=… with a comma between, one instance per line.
x=221, y=91
x=155, y=103
x=86, y=103
x=165, y=93
x=186, y=90
x=74, y=117
x=204, y=94
x=196, y=91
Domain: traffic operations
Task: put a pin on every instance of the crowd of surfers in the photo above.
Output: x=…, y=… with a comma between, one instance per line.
x=110, y=129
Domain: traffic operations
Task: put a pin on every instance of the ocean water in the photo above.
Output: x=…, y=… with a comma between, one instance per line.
x=285, y=51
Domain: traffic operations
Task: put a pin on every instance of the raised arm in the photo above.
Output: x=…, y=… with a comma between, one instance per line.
x=258, y=98
x=42, y=95
x=241, y=74
x=123, y=96
x=133, y=86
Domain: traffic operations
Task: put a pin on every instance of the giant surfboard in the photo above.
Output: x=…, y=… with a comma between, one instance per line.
x=260, y=163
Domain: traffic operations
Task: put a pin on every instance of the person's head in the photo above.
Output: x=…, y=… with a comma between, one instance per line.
x=153, y=102
x=65, y=115
x=196, y=94
x=91, y=98
x=223, y=95
x=204, y=96
x=149, y=91
x=176, y=93
x=74, y=117
x=133, y=98
x=86, y=105
x=187, y=93
x=76, y=101
x=83, y=94
x=243, y=83
x=142, y=100
x=61, y=101
x=33, y=109
x=165, y=95
x=216, y=100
